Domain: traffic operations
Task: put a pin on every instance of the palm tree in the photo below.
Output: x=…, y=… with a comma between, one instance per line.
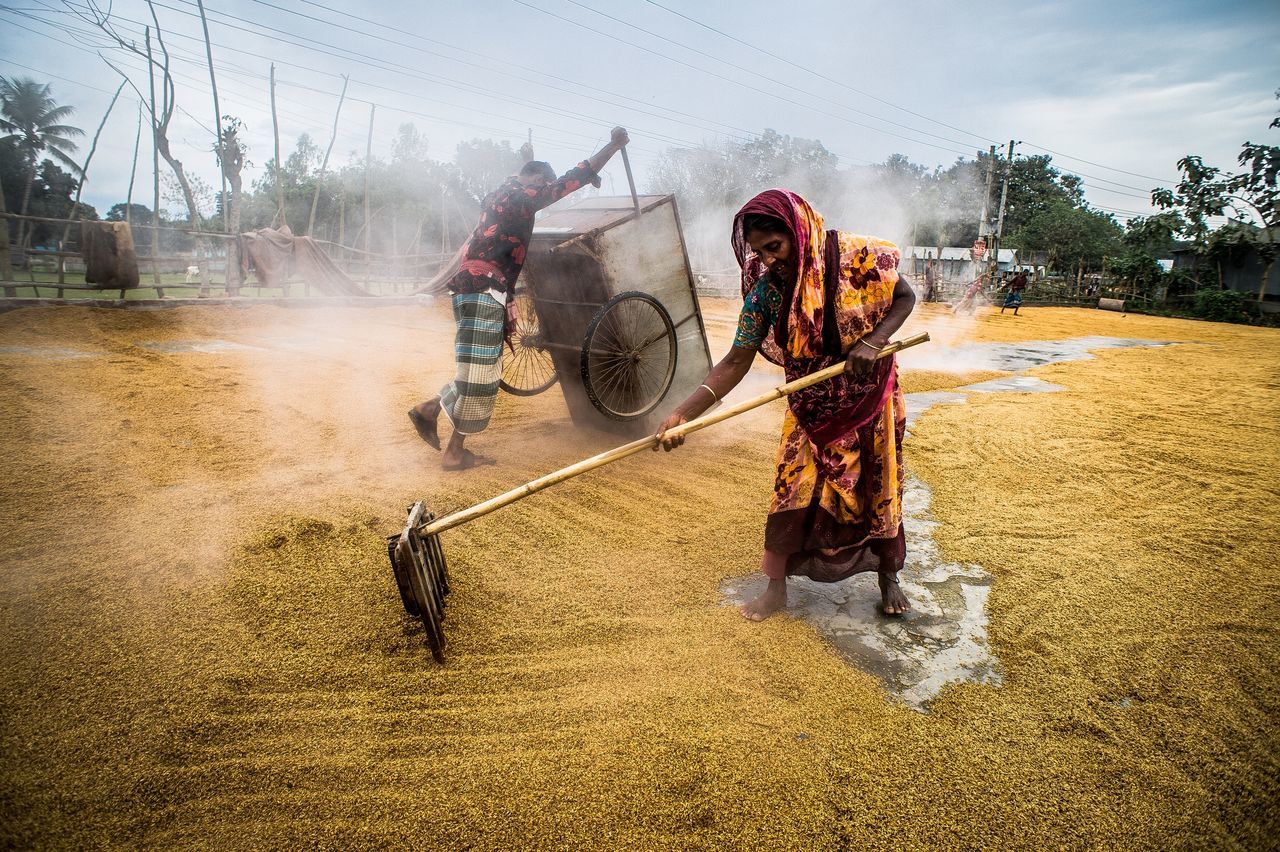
x=29, y=116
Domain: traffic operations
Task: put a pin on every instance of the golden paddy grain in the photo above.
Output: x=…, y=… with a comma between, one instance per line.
x=203, y=645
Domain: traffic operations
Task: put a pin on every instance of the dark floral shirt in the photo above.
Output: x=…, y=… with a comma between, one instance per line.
x=759, y=314
x=496, y=251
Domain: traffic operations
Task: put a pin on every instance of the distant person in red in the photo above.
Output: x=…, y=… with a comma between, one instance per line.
x=1013, y=299
x=482, y=289
x=968, y=303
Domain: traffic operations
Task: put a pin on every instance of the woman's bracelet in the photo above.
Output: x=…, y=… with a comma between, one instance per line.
x=714, y=398
x=869, y=345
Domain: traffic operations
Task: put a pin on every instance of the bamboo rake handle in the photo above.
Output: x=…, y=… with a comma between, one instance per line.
x=602, y=459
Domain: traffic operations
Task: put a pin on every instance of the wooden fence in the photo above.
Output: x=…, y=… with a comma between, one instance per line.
x=52, y=273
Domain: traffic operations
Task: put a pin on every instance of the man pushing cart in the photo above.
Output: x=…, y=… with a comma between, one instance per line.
x=482, y=291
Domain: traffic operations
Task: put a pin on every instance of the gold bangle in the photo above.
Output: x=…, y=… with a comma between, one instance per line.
x=870, y=345
x=714, y=398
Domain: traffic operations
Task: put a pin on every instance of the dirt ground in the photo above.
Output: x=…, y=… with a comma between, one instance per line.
x=203, y=645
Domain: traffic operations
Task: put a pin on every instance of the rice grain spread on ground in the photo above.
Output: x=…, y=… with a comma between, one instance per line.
x=203, y=645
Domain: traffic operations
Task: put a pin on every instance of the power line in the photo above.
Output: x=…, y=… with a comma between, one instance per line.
x=87, y=50
x=489, y=66
x=386, y=65
x=521, y=101
x=1099, y=165
x=526, y=103
x=230, y=69
x=750, y=70
x=402, y=69
x=783, y=59
x=732, y=80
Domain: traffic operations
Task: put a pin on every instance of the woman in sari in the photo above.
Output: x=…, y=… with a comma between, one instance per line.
x=812, y=297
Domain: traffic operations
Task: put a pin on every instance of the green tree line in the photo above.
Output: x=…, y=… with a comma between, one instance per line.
x=414, y=203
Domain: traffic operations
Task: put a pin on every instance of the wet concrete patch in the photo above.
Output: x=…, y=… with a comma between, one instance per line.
x=943, y=639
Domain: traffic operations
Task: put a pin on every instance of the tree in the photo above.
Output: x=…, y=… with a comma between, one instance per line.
x=231, y=152
x=949, y=203
x=712, y=181
x=162, y=113
x=298, y=181
x=139, y=214
x=50, y=194
x=1034, y=186
x=1076, y=236
x=1250, y=196
x=1146, y=238
x=484, y=164
x=32, y=119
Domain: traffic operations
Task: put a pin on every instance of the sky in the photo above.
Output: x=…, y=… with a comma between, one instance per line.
x=1118, y=91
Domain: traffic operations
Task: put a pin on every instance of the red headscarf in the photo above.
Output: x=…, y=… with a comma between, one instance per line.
x=813, y=331
x=808, y=246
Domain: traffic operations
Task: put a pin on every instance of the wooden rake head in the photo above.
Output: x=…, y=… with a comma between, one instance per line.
x=417, y=560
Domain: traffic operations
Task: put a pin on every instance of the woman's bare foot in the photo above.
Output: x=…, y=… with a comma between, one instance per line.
x=770, y=601
x=892, y=600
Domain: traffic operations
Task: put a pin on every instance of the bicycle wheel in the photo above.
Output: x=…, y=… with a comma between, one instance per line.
x=628, y=356
x=527, y=369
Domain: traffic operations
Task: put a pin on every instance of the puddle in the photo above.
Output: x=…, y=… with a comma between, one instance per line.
x=51, y=353
x=943, y=639
x=207, y=347
x=1015, y=357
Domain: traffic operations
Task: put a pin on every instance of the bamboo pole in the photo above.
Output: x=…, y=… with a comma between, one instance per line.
x=6, y=270
x=217, y=115
x=324, y=164
x=275, y=132
x=641, y=444
x=84, y=174
x=133, y=173
x=368, y=155
x=155, y=171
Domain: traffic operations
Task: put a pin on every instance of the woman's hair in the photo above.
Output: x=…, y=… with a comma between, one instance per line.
x=764, y=223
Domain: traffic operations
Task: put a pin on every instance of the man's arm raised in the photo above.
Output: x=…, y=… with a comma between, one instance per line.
x=617, y=141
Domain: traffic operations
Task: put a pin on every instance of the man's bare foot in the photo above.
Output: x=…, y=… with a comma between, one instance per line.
x=424, y=416
x=464, y=460
x=770, y=601
x=892, y=600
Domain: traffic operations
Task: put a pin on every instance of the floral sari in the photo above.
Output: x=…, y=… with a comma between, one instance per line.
x=837, y=499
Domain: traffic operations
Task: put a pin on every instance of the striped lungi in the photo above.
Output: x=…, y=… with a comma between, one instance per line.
x=468, y=400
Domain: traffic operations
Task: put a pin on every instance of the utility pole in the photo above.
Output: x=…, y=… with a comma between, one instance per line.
x=1004, y=196
x=984, y=223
